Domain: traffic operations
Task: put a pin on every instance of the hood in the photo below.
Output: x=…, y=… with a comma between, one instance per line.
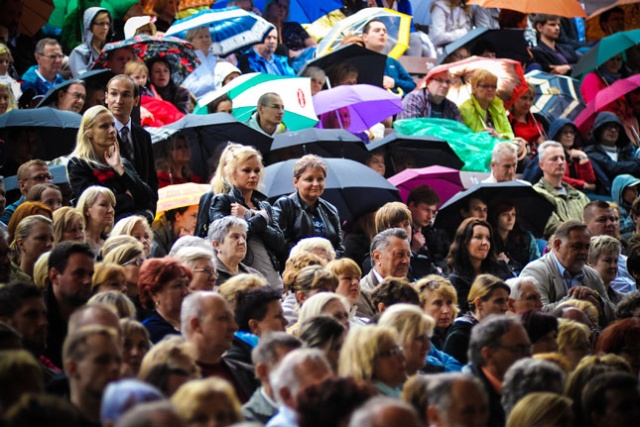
x=604, y=118
x=619, y=184
x=222, y=71
x=556, y=125
x=132, y=25
x=87, y=19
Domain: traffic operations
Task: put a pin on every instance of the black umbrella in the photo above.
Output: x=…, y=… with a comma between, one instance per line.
x=322, y=142
x=509, y=43
x=353, y=188
x=100, y=77
x=56, y=131
x=533, y=209
x=419, y=151
x=370, y=64
x=207, y=133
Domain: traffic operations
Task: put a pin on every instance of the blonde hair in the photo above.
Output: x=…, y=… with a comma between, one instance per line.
x=554, y=357
x=344, y=266
x=570, y=332
x=191, y=34
x=390, y=215
x=481, y=75
x=135, y=66
x=238, y=284
x=434, y=284
x=84, y=148
x=585, y=306
x=117, y=301
x=541, y=409
x=63, y=218
x=114, y=242
x=125, y=226
x=232, y=156
x=11, y=99
x=483, y=287
x=170, y=351
x=603, y=245
x=196, y=394
x=124, y=253
x=23, y=230
x=315, y=305
x=360, y=350
x=408, y=320
x=295, y=263
x=89, y=197
x=104, y=271
x=41, y=271
x=310, y=244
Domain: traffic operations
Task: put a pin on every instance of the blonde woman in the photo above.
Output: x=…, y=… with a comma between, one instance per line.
x=7, y=101
x=97, y=205
x=573, y=341
x=201, y=263
x=130, y=256
x=374, y=354
x=203, y=80
x=136, y=345
x=327, y=303
x=33, y=237
x=41, y=271
x=309, y=281
x=108, y=276
x=542, y=409
x=438, y=298
x=120, y=303
x=210, y=401
x=135, y=226
x=68, y=224
x=96, y=160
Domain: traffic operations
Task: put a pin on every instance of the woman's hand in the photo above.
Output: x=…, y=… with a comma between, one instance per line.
x=238, y=210
x=493, y=132
x=503, y=257
x=113, y=159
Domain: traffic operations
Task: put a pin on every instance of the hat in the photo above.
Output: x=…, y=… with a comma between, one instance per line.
x=133, y=24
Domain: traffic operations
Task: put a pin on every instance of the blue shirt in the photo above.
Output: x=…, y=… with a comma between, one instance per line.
x=569, y=280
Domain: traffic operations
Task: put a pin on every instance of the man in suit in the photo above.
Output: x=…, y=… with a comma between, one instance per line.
x=121, y=96
x=390, y=255
x=562, y=273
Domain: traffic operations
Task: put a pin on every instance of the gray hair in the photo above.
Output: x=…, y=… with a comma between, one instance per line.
x=192, y=307
x=439, y=389
x=543, y=147
x=190, y=255
x=383, y=239
x=515, y=284
x=308, y=244
x=488, y=334
x=369, y=413
x=529, y=376
x=190, y=241
x=44, y=42
x=266, y=350
x=220, y=227
x=286, y=374
x=505, y=147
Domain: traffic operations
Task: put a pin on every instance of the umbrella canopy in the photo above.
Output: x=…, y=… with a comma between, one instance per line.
x=508, y=43
x=398, y=28
x=206, y=133
x=56, y=130
x=370, y=64
x=35, y=13
x=353, y=188
x=100, y=76
x=511, y=81
x=533, y=209
x=246, y=89
x=231, y=29
x=419, y=151
x=180, y=196
x=606, y=49
x=367, y=104
x=555, y=96
x=444, y=181
x=566, y=8
x=631, y=10
x=179, y=53
x=322, y=142
x=300, y=11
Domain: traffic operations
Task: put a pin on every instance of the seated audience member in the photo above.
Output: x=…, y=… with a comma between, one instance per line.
x=160, y=77
x=318, y=78
x=349, y=274
x=610, y=399
x=172, y=162
x=119, y=302
x=602, y=77
x=207, y=401
x=33, y=237
x=267, y=118
x=324, y=303
x=495, y=345
x=128, y=253
x=621, y=338
x=170, y=226
x=384, y=411
x=604, y=252
x=299, y=369
x=108, y=276
x=123, y=395
x=610, y=151
x=97, y=205
x=160, y=413
x=629, y=306
x=624, y=191
x=266, y=356
x=542, y=329
x=137, y=227
x=43, y=409
x=97, y=27
x=456, y=399
x=579, y=171
x=568, y=201
x=235, y=286
x=393, y=290
x=136, y=344
x=485, y=111
x=472, y=254
x=309, y=281
x=524, y=294
x=476, y=208
x=553, y=57
x=431, y=100
x=450, y=20
x=504, y=163
x=261, y=58
x=318, y=246
x=20, y=375
x=528, y=376
x=538, y=409
x=201, y=263
x=325, y=333
x=29, y=174
x=527, y=125
x=438, y=298
x=46, y=74
x=47, y=194
x=573, y=341
x=390, y=255
x=488, y=295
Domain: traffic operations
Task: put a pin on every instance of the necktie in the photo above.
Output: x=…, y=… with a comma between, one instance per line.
x=127, y=147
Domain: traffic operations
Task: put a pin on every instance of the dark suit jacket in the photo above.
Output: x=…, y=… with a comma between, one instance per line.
x=144, y=161
x=546, y=57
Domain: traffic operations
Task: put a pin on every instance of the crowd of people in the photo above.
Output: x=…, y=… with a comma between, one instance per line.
x=244, y=311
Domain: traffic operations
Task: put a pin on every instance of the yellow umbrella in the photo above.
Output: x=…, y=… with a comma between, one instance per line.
x=398, y=29
x=631, y=10
x=180, y=196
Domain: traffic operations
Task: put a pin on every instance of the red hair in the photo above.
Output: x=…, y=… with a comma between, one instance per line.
x=623, y=335
x=157, y=272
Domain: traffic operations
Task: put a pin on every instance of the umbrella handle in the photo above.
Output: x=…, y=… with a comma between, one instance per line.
x=397, y=92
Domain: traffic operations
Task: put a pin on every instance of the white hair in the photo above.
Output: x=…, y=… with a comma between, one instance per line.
x=515, y=284
x=286, y=374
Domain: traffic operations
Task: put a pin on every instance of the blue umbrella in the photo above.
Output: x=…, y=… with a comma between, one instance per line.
x=301, y=11
x=555, y=96
x=231, y=29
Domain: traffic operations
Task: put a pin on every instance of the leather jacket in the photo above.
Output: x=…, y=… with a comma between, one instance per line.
x=295, y=219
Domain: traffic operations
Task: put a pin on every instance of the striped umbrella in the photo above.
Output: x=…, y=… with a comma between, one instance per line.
x=245, y=90
x=555, y=96
x=231, y=29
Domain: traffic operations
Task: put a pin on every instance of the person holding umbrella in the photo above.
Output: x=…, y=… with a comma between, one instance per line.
x=431, y=100
x=304, y=213
x=97, y=29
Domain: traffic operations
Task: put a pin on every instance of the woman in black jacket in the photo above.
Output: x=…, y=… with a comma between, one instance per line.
x=96, y=160
x=239, y=174
x=304, y=213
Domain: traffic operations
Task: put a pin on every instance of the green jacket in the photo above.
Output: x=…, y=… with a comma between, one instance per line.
x=568, y=206
x=473, y=116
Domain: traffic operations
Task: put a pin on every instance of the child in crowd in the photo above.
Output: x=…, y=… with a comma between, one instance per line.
x=5, y=62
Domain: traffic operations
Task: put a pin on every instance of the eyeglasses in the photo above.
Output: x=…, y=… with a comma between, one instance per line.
x=102, y=23
x=136, y=261
x=443, y=81
x=207, y=271
x=276, y=107
x=394, y=351
x=522, y=349
x=77, y=95
x=54, y=57
x=41, y=177
x=487, y=87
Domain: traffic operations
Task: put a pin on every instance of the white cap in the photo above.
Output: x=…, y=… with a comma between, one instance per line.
x=132, y=25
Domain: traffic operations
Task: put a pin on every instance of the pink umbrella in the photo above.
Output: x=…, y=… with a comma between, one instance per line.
x=445, y=181
x=367, y=104
x=606, y=97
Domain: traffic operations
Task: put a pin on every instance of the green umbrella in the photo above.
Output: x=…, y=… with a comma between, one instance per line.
x=606, y=49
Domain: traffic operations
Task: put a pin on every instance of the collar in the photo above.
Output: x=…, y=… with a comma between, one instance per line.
x=387, y=390
x=495, y=383
x=379, y=278
x=120, y=125
x=267, y=398
x=561, y=267
x=41, y=77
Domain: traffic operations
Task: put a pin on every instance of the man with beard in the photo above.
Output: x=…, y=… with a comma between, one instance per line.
x=70, y=272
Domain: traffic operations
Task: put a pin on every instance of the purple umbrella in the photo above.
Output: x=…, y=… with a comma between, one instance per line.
x=367, y=105
x=445, y=181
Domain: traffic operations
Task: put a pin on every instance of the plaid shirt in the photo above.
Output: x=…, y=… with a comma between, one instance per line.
x=416, y=104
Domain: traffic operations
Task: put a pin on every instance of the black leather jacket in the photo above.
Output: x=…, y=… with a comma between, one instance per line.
x=295, y=219
x=267, y=231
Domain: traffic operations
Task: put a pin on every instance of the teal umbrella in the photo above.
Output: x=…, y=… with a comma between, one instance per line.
x=606, y=49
